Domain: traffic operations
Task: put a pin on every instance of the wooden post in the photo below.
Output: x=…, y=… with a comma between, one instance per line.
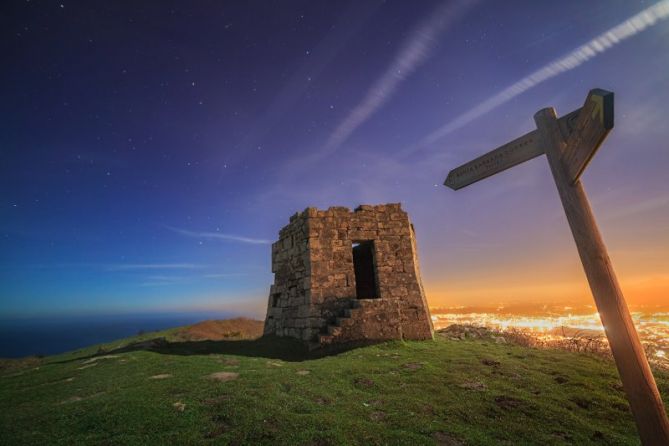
x=635, y=374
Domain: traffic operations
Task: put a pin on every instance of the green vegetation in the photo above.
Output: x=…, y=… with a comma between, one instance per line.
x=449, y=392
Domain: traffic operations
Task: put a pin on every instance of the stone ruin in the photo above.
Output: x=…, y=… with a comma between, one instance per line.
x=343, y=277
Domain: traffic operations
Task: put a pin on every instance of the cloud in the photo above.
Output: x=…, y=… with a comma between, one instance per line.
x=153, y=266
x=223, y=275
x=639, y=207
x=161, y=280
x=578, y=56
x=413, y=53
x=219, y=236
x=415, y=50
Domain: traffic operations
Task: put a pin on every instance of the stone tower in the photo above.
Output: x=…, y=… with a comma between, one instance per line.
x=347, y=277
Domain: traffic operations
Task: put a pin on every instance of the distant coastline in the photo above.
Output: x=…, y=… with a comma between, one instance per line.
x=53, y=335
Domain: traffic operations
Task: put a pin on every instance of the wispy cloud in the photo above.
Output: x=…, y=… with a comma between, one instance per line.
x=161, y=280
x=639, y=207
x=219, y=236
x=153, y=266
x=223, y=275
x=578, y=56
x=415, y=50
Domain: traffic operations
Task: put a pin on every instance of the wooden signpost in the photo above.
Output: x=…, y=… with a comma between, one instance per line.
x=569, y=144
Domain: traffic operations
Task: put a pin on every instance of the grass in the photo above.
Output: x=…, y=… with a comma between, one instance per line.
x=471, y=392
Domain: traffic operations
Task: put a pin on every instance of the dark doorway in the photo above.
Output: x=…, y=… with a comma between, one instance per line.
x=365, y=274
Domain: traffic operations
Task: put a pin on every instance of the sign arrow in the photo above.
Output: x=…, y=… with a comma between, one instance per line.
x=591, y=126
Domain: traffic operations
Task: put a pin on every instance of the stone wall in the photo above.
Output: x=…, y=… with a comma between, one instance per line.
x=289, y=296
x=314, y=293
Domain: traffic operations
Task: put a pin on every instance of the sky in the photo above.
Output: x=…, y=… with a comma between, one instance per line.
x=151, y=151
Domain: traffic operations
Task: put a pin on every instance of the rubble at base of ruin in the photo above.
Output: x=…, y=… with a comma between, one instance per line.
x=343, y=276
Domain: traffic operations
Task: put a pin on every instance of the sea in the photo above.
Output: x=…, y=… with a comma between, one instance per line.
x=52, y=335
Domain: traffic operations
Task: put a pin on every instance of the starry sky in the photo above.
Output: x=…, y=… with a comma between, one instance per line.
x=151, y=151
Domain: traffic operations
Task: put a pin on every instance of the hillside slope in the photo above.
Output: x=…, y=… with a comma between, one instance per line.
x=175, y=390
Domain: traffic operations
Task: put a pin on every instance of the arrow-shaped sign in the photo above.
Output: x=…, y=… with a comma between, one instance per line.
x=517, y=151
x=594, y=122
x=584, y=130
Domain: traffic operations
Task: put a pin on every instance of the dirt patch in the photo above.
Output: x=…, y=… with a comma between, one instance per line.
x=274, y=364
x=217, y=431
x=490, y=362
x=562, y=435
x=474, y=385
x=216, y=401
x=413, y=366
x=581, y=402
x=377, y=416
x=11, y=365
x=446, y=439
x=363, y=382
x=428, y=410
x=561, y=380
x=302, y=372
x=217, y=330
x=507, y=402
x=598, y=436
x=224, y=376
x=322, y=401
x=161, y=376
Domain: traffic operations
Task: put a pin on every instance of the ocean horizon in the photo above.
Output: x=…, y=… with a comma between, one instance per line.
x=51, y=335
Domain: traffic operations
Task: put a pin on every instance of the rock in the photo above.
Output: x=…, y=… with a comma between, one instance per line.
x=161, y=376
x=87, y=366
x=445, y=439
x=302, y=372
x=97, y=358
x=179, y=406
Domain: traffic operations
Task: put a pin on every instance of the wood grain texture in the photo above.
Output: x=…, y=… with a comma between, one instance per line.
x=594, y=122
x=513, y=153
x=638, y=382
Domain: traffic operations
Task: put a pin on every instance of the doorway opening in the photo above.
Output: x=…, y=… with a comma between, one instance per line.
x=364, y=269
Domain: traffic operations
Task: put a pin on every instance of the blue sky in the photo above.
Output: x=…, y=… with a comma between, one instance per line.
x=151, y=153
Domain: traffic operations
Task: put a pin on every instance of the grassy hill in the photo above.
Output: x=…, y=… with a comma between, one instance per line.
x=177, y=387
